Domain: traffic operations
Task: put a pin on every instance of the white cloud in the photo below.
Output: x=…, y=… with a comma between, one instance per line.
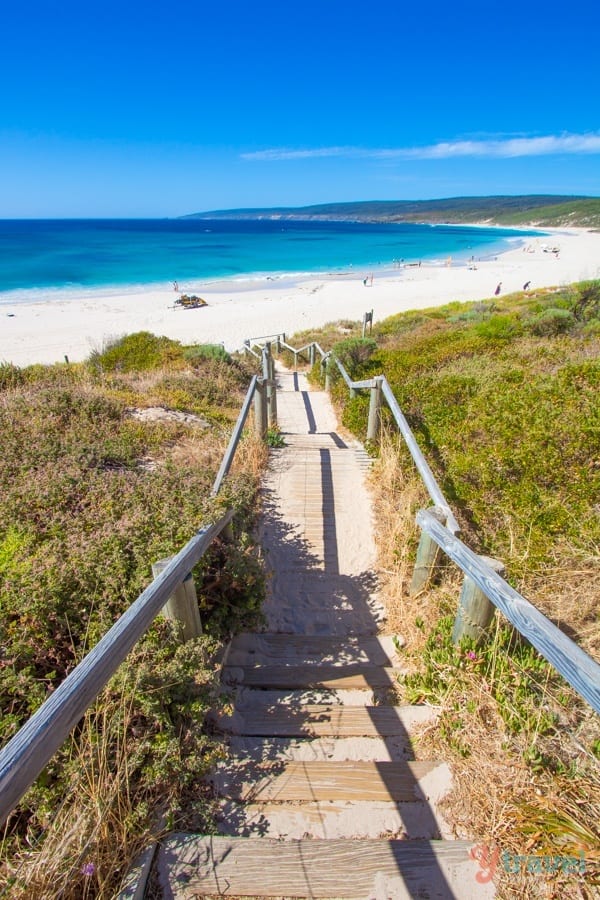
x=284, y=153
x=497, y=148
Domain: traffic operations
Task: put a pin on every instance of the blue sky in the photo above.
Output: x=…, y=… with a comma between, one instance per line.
x=129, y=109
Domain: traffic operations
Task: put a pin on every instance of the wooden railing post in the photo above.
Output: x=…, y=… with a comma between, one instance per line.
x=311, y=355
x=260, y=410
x=266, y=365
x=374, y=411
x=269, y=385
x=327, y=375
x=475, y=610
x=272, y=394
x=182, y=606
x=428, y=553
x=227, y=533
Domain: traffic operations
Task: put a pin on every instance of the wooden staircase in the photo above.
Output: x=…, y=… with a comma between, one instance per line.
x=321, y=795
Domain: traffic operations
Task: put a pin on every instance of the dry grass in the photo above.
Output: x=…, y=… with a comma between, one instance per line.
x=567, y=593
x=87, y=841
x=399, y=494
x=252, y=455
x=500, y=797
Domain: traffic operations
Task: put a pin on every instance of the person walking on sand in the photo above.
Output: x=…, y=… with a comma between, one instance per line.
x=498, y=288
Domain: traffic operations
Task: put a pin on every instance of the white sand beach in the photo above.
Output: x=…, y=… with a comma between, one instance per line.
x=47, y=331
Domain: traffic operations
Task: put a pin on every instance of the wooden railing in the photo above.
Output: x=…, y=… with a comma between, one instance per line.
x=172, y=591
x=483, y=589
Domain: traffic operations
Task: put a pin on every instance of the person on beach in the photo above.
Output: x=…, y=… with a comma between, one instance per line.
x=498, y=289
x=175, y=286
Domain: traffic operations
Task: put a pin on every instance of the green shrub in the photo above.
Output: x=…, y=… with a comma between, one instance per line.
x=10, y=376
x=201, y=352
x=499, y=328
x=552, y=321
x=354, y=352
x=586, y=303
x=138, y=352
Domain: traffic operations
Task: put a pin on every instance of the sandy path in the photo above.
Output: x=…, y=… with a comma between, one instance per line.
x=317, y=530
x=312, y=764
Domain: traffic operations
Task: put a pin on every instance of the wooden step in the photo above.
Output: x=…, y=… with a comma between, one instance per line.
x=321, y=820
x=306, y=781
x=264, y=720
x=299, y=649
x=189, y=866
x=352, y=677
x=324, y=749
x=247, y=697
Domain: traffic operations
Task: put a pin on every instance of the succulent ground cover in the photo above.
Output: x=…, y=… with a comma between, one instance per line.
x=91, y=494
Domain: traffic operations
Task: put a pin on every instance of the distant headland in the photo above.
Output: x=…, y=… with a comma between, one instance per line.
x=551, y=211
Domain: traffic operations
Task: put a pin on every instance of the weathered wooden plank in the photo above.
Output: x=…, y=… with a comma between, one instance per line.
x=325, y=749
x=351, y=677
x=262, y=720
x=261, y=867
x=329, y=819
x=299, y=649
x=428, y=554
x=26, y=754
x=475, y=610
x=579, y=669
x=415, y=451
x=234, y=439
x=306, y=781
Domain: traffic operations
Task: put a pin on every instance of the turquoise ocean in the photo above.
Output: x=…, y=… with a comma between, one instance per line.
x=45, y=259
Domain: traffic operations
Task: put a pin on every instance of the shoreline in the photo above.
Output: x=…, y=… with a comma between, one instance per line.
x=45, y=331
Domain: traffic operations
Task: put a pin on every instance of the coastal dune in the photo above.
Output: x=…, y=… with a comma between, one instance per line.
x=48, y=330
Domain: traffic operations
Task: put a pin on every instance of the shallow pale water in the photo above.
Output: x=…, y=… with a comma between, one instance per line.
x=58, y=257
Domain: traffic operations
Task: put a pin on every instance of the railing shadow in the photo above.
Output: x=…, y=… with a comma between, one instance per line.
x=278, y=731
x=312, y=425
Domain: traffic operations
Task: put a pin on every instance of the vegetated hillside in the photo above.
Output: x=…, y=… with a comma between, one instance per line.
x=503, y=396
x=107, y=467
x=504, y=400
x=548, y=210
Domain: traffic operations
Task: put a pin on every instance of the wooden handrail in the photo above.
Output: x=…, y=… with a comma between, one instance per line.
x=344, y=373
x=423, y=468
x=419, y=460
x=26, y=754
x=573, y=663
x=415, y=451
x=235, y=438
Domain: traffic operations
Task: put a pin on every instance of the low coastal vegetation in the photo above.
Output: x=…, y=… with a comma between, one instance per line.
x=107, y=467
x=503, y=397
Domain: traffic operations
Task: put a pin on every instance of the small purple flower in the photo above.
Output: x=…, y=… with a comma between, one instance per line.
x=88, y=869
x=471, y=654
